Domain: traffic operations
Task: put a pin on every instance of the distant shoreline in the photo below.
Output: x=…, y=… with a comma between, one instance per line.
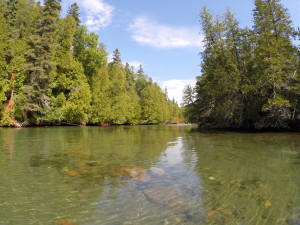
x=27, y=125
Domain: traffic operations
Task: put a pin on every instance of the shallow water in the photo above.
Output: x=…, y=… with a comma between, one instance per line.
x=147, y=175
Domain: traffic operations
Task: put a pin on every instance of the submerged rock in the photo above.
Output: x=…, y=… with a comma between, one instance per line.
x=170, y=197
x=64, y=222
x=294, y=220
x=144, y=178
x=157, y=171
x=72, y=173
x=137, y=173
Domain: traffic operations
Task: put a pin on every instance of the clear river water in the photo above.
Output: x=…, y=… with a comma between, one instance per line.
x=148, y=175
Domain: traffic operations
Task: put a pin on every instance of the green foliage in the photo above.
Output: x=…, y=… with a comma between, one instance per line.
x=3, y=65
x=41, y=63
x=133, y=110
x=130, y=75
x=56, y=111
x=101, y=101
x=88, y=51
x=74, y=12
x=152, y=104
x=53, y=71
x=77, y=107
x=118, y=93
x=189, y=104
x=276, y=62
x=249, y=77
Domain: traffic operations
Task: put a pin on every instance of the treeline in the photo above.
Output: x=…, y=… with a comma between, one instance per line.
x=250, y=77
x=53, y=71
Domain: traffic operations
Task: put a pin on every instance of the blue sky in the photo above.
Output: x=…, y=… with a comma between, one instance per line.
x=162, y=35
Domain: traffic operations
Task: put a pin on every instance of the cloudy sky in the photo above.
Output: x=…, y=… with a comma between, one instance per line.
x=162, y=35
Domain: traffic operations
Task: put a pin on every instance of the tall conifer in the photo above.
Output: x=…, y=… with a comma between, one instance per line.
x=275, y=63
x=41, y=62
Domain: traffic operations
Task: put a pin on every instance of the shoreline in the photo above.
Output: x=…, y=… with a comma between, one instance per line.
x=245, y=130
x=27, y=125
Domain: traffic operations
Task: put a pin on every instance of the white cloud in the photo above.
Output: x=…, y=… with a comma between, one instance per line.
x=147, y=32
x=97, y=13
x=175, y=88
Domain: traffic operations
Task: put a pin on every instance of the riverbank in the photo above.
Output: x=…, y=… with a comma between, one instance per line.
x=210, y=128
x=63, y=124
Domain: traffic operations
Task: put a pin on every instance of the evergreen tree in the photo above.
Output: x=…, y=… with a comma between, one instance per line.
x=213, y=86
x=89, y=51
x=21, y=17
x=130, y=75
x=77, y=107
x=41, y=62
x=236, y=73
x=53, y=71
x=116, y=61
x=149, y=106
x=101, y=102
x=134, y=108
x=164, y=107
x=275, y=63
x=142, y=81
x=10, y=11
x=189, y=104
x=118, y=93
x=74, y=12
x=69, y=80
x=4, y=40
x=174, y=112
x=153, y=105
x=249, y=78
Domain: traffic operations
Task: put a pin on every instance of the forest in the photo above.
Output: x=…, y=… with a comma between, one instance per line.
x=250, y=76
x=54, y=72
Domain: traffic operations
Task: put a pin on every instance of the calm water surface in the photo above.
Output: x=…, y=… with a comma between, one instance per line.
x=147, y=175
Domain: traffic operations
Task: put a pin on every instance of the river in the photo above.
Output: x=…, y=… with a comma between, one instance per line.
x=148, y=175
